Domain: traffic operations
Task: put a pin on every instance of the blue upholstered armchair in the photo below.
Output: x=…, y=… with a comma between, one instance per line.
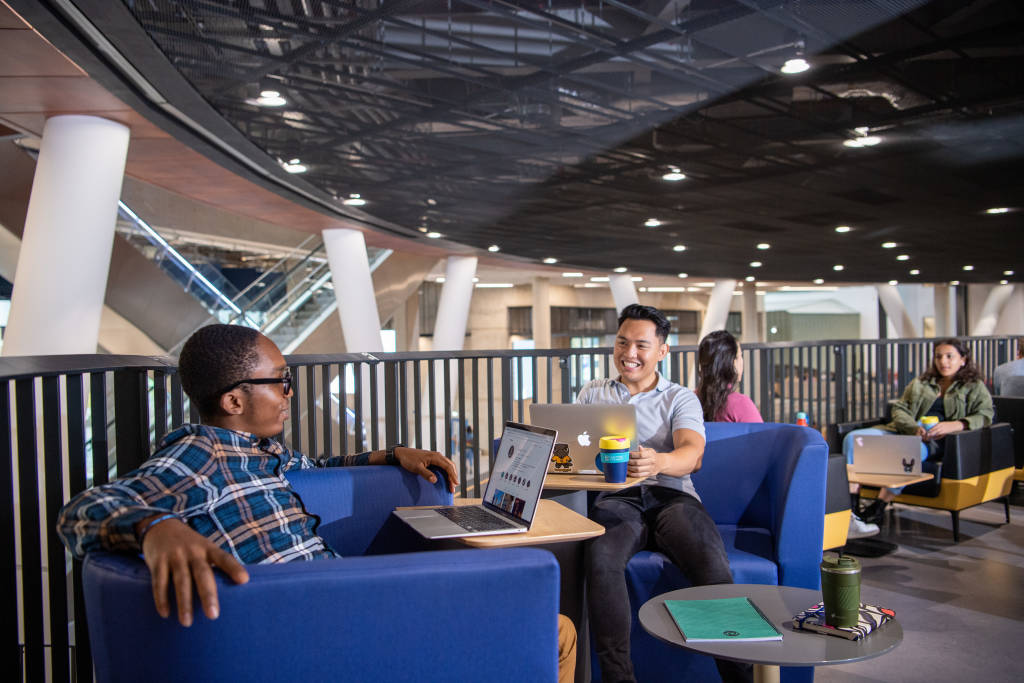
x=393, y=617
x=764, y=485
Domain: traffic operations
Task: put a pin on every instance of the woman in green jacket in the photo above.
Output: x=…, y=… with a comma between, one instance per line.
x=950, y=390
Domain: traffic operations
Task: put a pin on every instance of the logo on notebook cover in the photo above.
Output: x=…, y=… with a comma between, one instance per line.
x=583, y=439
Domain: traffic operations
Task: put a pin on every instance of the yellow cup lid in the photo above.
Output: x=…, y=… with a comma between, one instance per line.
x=614, y=443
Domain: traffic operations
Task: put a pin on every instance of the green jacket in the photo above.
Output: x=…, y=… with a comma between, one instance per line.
x=970, y=402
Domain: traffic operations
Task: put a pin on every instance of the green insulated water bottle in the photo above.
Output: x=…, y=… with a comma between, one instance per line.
x=840, y=589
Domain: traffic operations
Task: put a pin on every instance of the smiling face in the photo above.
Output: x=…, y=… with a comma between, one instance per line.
x=637, y=353
x=260, y=408
x=948, y=361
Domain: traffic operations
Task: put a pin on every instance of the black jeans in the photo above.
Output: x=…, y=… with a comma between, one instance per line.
x=655, y=518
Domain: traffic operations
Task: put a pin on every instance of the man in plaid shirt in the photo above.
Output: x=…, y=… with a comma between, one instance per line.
x=214, y=494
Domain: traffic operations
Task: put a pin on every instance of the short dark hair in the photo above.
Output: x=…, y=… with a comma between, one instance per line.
x=214, y=357
x=662, y=326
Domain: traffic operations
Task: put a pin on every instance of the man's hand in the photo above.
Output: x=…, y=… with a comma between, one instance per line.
x=418, y=461
x=942, y=429
x=643, y=462
x=174, y=552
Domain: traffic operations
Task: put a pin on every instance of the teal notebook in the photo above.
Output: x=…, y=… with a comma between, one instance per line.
x=723, y=619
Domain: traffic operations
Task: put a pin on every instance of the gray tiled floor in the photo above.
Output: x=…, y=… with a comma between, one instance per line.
x=961, y=605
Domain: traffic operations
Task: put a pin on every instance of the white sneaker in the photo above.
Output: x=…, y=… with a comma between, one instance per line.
x=860, y=529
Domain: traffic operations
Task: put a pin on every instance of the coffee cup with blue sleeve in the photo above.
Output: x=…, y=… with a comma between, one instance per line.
x=613, y=458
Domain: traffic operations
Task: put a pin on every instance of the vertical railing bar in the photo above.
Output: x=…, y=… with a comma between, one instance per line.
x=534, y=386
x=159, y=405
x=551, y=378
x=403, y=416
x=519, y=388
x=53, y=492
x=31, y=561
x=131, y=418
x=8, y=559
x=431, y=403
x=177, y=401
x=325, y=396
x=357, y=407
x=447, y=396
x=375, y=443
x=476, y=429
x=490, y=414
x=296, y=409
x=417, y=401
x=98, y=427
x=464, y=485
x=310, y=411
x=74, y=390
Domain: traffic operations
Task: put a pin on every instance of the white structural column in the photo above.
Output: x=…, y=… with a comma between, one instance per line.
x=990, y=312
x=541, y=313
x=717, y=311
x=750, y=319
x=453, y=308
x=623, y=291
x=353, y=289
x=889, y=296
x=945, y=311
x=62, y=271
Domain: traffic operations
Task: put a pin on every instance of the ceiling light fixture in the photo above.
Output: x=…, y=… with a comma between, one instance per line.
x=549, y=260
x=1004, y=282
x=494, y=285
x=888, y=245
x=423, y=228
x=636, y=278
x=997, y=209
x=750, y=278
x=652, y=223
x=674, y=175
x=620, y=269
x=864, y=141
x=819, y=281
x=439, y=278
x=797, y=65
x=433, y=235
x=954, y=282
x=837, y=267
x=432, y=202
x=354, y=199
x=764, y=245
x=755, y=264
x=968, y=267
x=294, y=166
x=1007, y=272
x=679, y=247
x=915, y=271
x=894, y=282
x=599, y=278
x=903, y=257
x=493, y=248
x=684, y=275
x=572, y=274
x=843, y=228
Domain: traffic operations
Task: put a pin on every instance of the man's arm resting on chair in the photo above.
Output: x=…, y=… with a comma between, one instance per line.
x=175, y=554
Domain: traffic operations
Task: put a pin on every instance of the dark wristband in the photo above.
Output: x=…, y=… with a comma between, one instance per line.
x=389, y=454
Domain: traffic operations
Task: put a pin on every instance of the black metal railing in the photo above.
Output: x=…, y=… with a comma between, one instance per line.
x=71, y=420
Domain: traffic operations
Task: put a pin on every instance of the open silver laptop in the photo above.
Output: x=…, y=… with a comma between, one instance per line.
x=511, y=497
x=887, y=454
x=581, y=427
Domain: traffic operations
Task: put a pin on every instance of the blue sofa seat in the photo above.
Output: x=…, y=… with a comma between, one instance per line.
x=764, y=486
x=390, y=617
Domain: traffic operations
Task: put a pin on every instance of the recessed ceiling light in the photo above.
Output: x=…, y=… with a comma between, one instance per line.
x=915, y=271
x=968, y=267
x=679, y=247
x=903, y=257
x=294, y=166
x=1004, y=282
x=796, y=65
x=888, y=245
x=572, y=274
x=755, y=264
x=636, y=278
x=440, y=278
x=1007, y=272
x=837, y=267
x=432, y=202
x=476, y=279
x=998, y=209
x=621, y=269
x=270, y=101
x=954, y=282
x=842, y=228
x=764, y=245
x=750, y=278
x=354, y=199
x=819, y=281
x=433, y=235
x=494, y=247
x=549, y=260
x=494, y=285
x=684, y=275
x=423, y=228
x=674, y=175
x=865, y=141
x=599, y=278
x=652, y=222
x=894, y=282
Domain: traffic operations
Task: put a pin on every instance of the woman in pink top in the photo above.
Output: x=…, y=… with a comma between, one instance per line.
x=719, y=370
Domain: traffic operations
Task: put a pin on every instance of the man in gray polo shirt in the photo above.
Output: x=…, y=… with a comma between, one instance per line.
x=663, y=512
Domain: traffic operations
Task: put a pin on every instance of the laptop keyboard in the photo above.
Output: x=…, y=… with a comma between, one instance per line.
x=476, y=519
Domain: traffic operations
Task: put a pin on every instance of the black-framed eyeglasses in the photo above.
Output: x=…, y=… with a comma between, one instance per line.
x=285, y=381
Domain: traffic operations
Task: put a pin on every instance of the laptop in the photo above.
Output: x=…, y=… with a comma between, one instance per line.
x=887, y=454
x=581, y=427
x=511, y=497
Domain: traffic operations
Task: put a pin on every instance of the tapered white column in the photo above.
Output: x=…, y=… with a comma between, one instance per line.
x=453, y=307
x=889, y=296
x=993, y=308
x=62, y=271
x=623, y=291
x=945, y=309
x=353, y=289
x=718, y=307
x=750, y=320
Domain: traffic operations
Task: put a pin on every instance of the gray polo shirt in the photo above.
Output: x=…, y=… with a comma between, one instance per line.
x=659, y=413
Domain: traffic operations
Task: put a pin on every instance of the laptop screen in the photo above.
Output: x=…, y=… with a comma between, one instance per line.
x=520, y=466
